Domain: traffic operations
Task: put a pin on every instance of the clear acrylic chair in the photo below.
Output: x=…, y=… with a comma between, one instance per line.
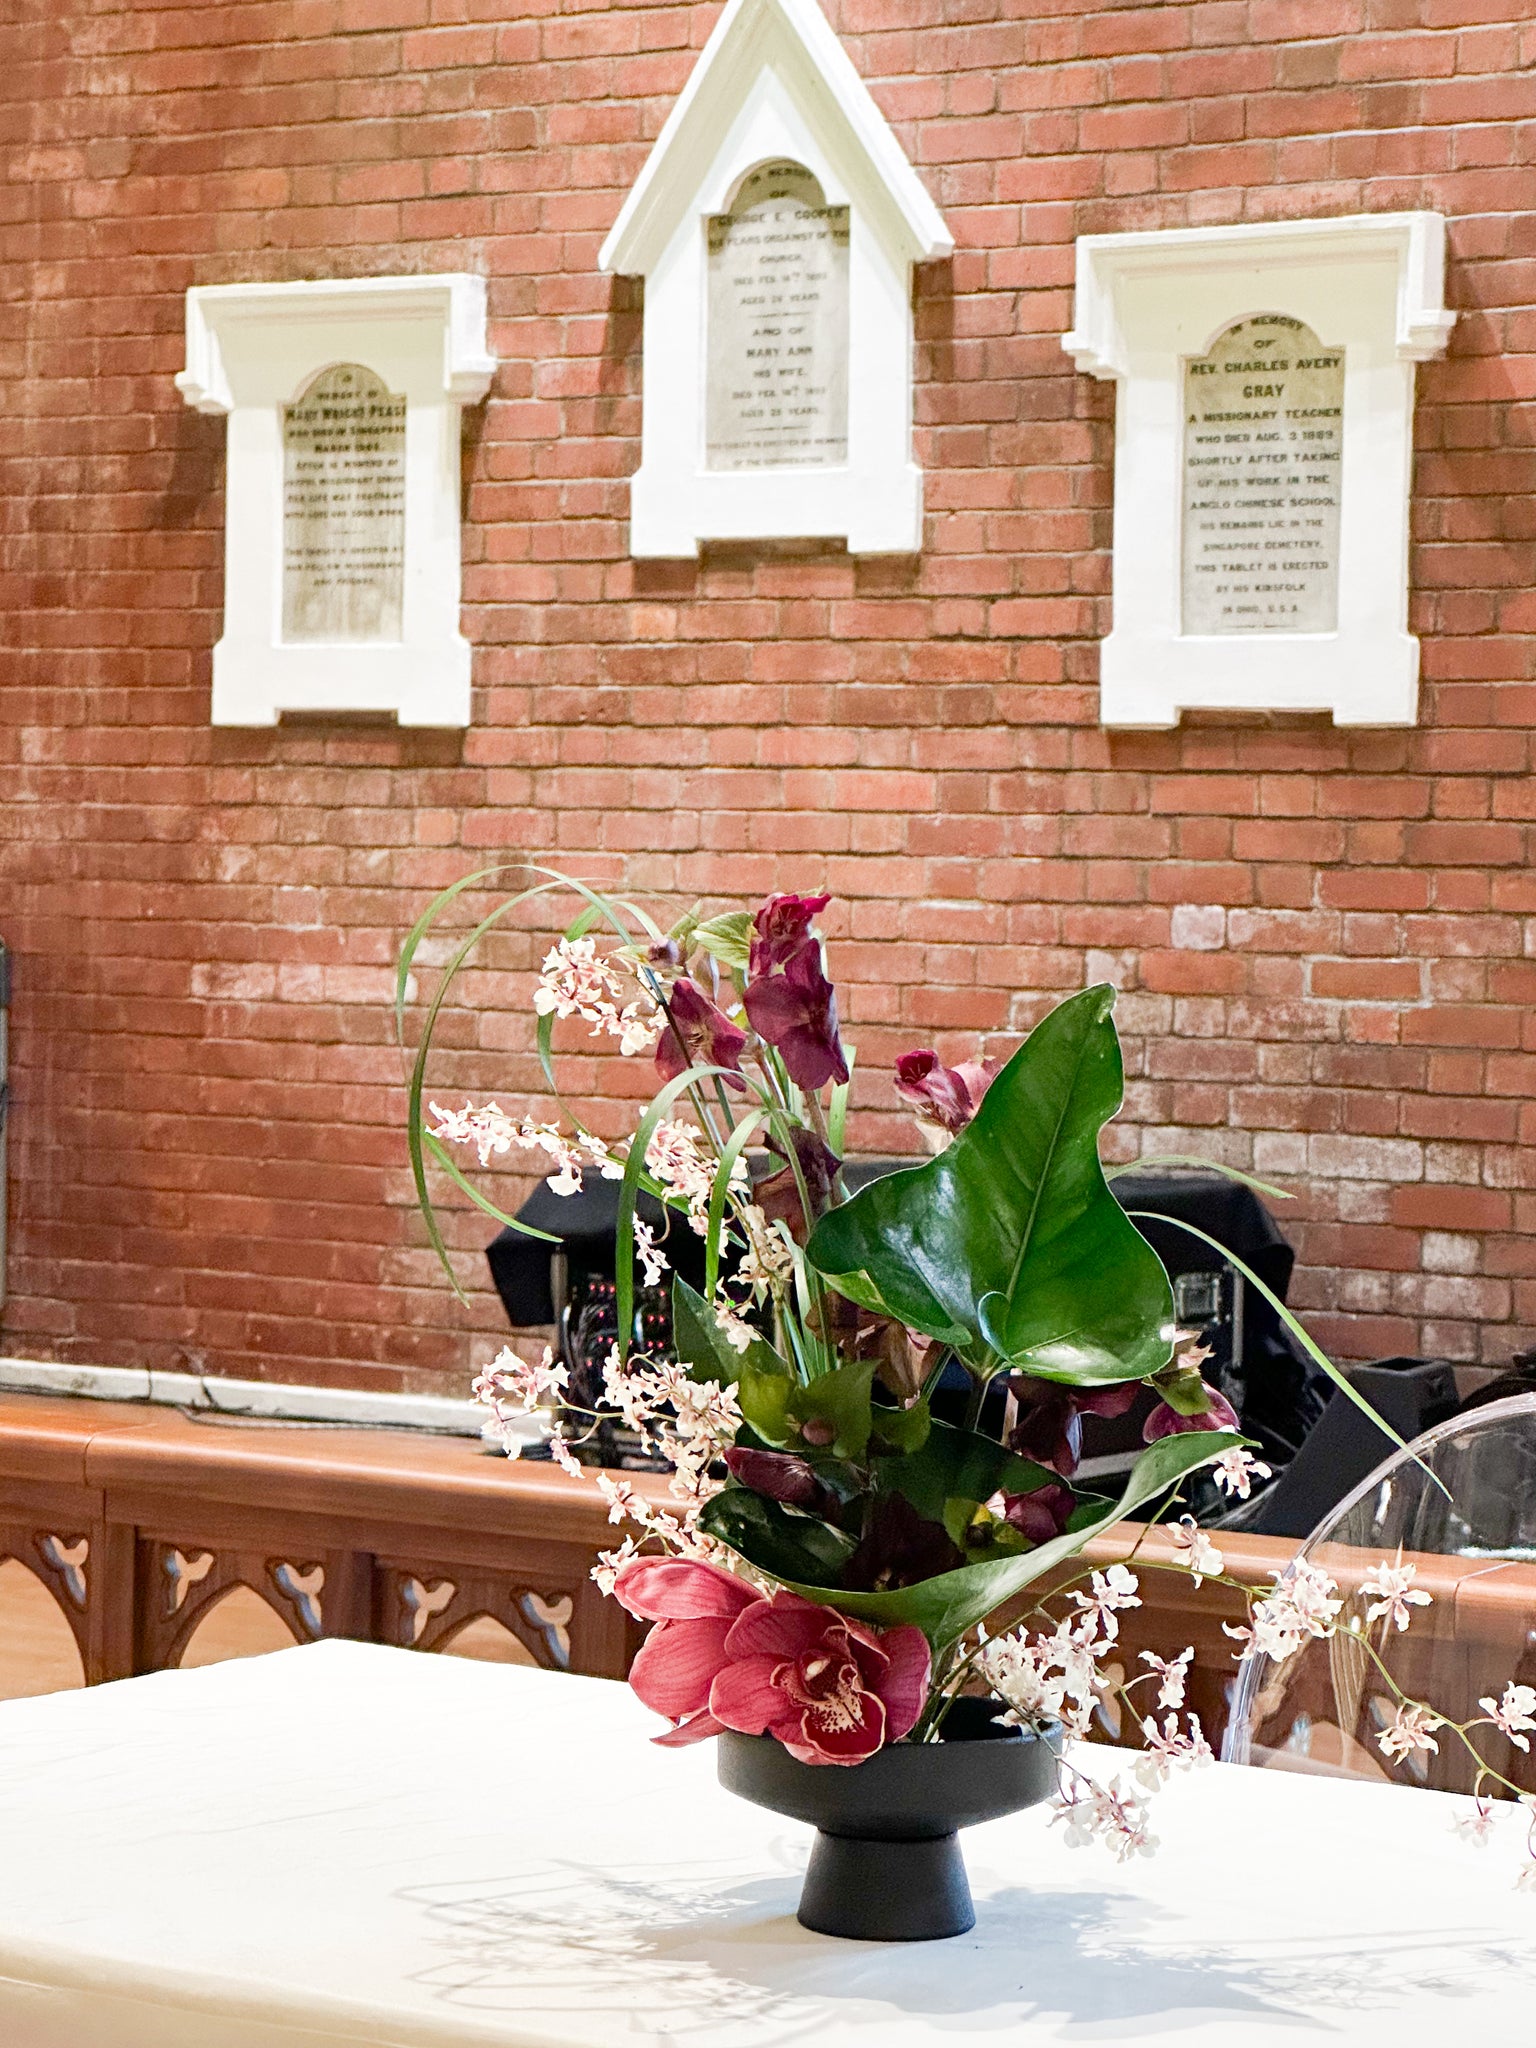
x=1460, y=1506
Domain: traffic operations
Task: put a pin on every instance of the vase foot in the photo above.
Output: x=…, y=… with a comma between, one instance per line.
x=887, y=1891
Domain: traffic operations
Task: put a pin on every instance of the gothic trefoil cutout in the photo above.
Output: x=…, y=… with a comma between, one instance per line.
x=776, y=223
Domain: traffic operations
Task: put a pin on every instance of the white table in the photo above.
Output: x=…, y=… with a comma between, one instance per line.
x=350, y=1844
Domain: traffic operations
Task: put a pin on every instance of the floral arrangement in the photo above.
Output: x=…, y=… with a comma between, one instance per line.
x=832, y=1548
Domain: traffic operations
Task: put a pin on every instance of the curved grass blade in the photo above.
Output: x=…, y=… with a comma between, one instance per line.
x=1236, y=1173
x=719, y=1194
x=1313, y=1350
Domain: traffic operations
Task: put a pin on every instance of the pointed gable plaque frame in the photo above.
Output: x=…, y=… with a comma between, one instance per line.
x=772, y=84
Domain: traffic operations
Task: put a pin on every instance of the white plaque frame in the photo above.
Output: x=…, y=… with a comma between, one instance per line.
x=773, y=82
x=253, y=349
x=1371, y=284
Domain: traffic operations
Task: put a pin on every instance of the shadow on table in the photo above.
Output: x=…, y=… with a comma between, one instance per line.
x=722, y=1958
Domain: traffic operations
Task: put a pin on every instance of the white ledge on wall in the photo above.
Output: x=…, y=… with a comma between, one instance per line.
x=342, y=552
x=1261, y=521
x=774, y=95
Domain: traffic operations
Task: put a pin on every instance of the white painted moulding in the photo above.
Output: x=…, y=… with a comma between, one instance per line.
x=774, y=84
x=254, y=349
x=1369, y=285
x=257, y=1399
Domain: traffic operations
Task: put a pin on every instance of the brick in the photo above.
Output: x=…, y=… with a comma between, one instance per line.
x=1320, y=935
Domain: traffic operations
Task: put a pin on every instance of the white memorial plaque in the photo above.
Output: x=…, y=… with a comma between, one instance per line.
x=344, y=509
x=777, y=336
x=1263, y=457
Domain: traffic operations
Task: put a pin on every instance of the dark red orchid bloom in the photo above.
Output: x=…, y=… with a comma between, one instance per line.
x=1048, y=1426
x=779, y=1195
x=796, y=1012
x=780, y=1476
x=901, y=1548
x=1166, y=1420
x=1042, y=1514
x=947, y=1097
x=780, y=929
x=699, y=1035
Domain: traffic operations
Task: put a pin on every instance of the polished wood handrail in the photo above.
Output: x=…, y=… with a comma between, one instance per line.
x=416, y=1536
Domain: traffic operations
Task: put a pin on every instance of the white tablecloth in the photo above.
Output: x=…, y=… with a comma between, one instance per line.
x=351, y=1844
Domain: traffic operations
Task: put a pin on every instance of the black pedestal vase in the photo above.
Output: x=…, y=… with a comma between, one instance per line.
x=886, y=1864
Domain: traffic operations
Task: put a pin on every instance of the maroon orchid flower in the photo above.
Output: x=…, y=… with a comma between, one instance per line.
x=779, y=1195
x=900, y=1548
x=780, y=929
x=796, y=1012
x=1049, y=1427
x=1166, y=1420
x=699, y=1035
x=1042, y=1514
x=780, y=1476
x=946, y=1097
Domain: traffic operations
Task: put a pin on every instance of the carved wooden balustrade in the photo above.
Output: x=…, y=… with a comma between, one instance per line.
x=142, y=1523
x=146, y=1525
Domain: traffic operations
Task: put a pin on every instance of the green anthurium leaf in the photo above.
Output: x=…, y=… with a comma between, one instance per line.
x=903, y=1430
x=946, y=1606
x=701, y=1344
x=763, y=1398
x=959, y=1464
x=727, y=938
x=1016, y=1217
x=788, y=1546
x=838, y=1400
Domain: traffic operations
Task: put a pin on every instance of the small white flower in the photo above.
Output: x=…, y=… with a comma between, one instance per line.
x=1112, y=1814
x=512, y=1385
x=1477, y=1825
x=1196, y=1550
x=1235, y=1471
x=1392, y=1588
x=611, y=1562
x=737, y=1334
x=1110, y=1591
x=1168, y=1750
x=563, y=1455
x=1514, y=1714
x=1173, y=1671
x=652, y=1258
x=1408, y=1731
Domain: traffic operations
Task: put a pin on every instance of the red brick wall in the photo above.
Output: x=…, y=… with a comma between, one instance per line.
x=1327, y=939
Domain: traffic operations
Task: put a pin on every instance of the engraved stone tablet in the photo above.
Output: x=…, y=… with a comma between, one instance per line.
x=777, y=333
x=344, y=509
x=1263, y=442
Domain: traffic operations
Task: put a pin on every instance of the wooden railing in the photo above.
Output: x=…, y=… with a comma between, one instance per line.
x=145, y=1525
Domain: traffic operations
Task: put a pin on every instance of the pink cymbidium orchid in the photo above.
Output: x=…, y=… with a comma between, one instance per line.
x=724, y=1656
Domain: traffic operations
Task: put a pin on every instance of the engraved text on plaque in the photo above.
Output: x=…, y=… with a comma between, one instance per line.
x=777, y=326
x=1263, y=441
x=344, y=509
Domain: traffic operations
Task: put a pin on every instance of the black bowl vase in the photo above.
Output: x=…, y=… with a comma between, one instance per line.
x=886, y=1863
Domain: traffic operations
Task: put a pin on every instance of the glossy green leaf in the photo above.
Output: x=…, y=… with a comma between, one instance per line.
x=790, y=1547
x=901, y=1429
x=701, y=1344
x=960, y=1464
x=1010, y=1243
x=946, y=1606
